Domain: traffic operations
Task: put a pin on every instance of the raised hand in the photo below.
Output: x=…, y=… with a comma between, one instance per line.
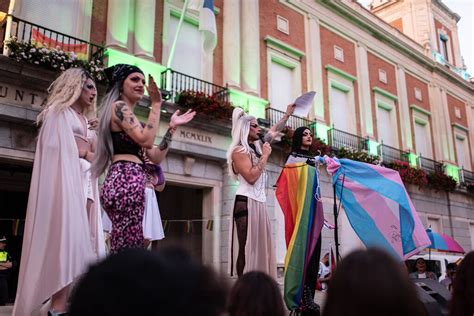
x=94, y=124
x=153, y=90
x=266, y=149
x=290, y=108
x=177, y=120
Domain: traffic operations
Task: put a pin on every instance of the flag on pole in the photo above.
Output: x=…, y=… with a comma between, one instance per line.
x=207, y=23
x=297, y=193
x=332, y=261
x=378, y=207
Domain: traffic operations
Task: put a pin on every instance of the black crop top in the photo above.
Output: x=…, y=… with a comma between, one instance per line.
x=124, y=144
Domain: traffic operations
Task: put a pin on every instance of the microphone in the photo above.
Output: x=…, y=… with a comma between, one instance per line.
x=267, y=138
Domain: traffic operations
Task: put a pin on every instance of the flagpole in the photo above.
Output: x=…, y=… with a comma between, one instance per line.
x=336, y=234
x=173, y=46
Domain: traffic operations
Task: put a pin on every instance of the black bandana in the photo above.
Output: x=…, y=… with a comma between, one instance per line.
x=118, y=73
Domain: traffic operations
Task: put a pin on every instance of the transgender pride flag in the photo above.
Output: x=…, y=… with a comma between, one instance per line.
x=378, y=207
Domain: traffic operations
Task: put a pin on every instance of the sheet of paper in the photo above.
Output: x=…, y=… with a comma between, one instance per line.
x=303, y=104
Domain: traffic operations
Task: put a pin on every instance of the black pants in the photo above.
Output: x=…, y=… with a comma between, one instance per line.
x=311, y=308
x=3, y=290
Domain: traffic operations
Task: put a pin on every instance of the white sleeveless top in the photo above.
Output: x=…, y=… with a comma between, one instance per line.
x=254, y=191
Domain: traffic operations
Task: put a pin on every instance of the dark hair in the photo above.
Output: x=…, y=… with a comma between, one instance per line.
x=256, y=293
x=451, y=266
x=462, y=302
x=371, y=282
x=140, y=282
x=297, y=138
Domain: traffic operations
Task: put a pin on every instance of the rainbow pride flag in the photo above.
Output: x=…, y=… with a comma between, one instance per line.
x=378, y=207
x=298, y=194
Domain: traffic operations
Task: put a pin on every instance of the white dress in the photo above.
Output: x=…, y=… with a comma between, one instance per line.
x=152, y=226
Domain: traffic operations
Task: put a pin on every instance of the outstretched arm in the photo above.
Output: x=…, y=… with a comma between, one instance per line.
x=280, y=125
x=158, y=153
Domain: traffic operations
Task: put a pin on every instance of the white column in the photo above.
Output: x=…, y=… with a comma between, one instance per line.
x=250, y=47
x=144, y=32
x=456, y=49
x=315, y=68
x=231, y=43
x=365, y=104
x=439, y=138
x=404, y=109
x=470, y=126
x=117, y=23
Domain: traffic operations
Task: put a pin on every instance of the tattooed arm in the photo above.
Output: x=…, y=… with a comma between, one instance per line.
x=243, y=164
x=280, y=125
x=158, y=153
x=123, y=117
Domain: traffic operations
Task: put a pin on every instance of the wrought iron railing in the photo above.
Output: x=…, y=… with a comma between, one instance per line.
x=466, y=177
x=274, y=116
x=429, y=165
x=25, y=31
x=390, y=154
x=339, y=139
x=176, y=82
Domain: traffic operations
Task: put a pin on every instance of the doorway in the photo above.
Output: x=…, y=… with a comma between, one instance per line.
x=182, y=215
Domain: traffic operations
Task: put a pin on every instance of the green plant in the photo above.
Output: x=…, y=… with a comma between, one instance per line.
x=361, y=156
x=53, y=58
x=409, y=174
x=203, y=104
x=440, y=181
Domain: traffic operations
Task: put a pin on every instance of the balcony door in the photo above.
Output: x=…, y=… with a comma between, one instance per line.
x=188, y=52
x=74, y=18
x=423, y=139
x=282, y=90
x=342, y=117
x=462, y=151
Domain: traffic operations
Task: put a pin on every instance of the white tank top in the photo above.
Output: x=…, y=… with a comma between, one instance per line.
x=254, y=191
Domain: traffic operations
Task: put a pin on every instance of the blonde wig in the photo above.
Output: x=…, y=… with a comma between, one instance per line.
x=240, y=134
x=65, y=91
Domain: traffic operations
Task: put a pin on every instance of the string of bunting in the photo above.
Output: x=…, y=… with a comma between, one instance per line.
x=18, y=225
x=188, y=224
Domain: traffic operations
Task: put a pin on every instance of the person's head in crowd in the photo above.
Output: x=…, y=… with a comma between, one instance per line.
x=140, y=282
x=420, y=265
x=302, y=139
x=371, y=282
x=462, y=300
x=255, y=293
x=3, y=242
x=325, y=259
x=451, y=270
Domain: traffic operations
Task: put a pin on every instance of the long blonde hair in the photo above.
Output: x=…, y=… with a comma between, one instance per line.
x=240, y=134
x=64, y=92
x=105, y=150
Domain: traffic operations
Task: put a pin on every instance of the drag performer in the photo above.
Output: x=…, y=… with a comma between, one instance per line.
x=60, y=240
x=300, y=151
x=246, y=159
x=122, y=144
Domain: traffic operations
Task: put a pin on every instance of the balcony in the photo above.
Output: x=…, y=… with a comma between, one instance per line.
x=274, y=116
x=339, y=139
x=429, y=165
x=466, y=177
x=390, y=154
x=176, y=82
x=39, y=36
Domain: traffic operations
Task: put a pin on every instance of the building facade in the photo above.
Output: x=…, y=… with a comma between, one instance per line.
x=390, y=81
